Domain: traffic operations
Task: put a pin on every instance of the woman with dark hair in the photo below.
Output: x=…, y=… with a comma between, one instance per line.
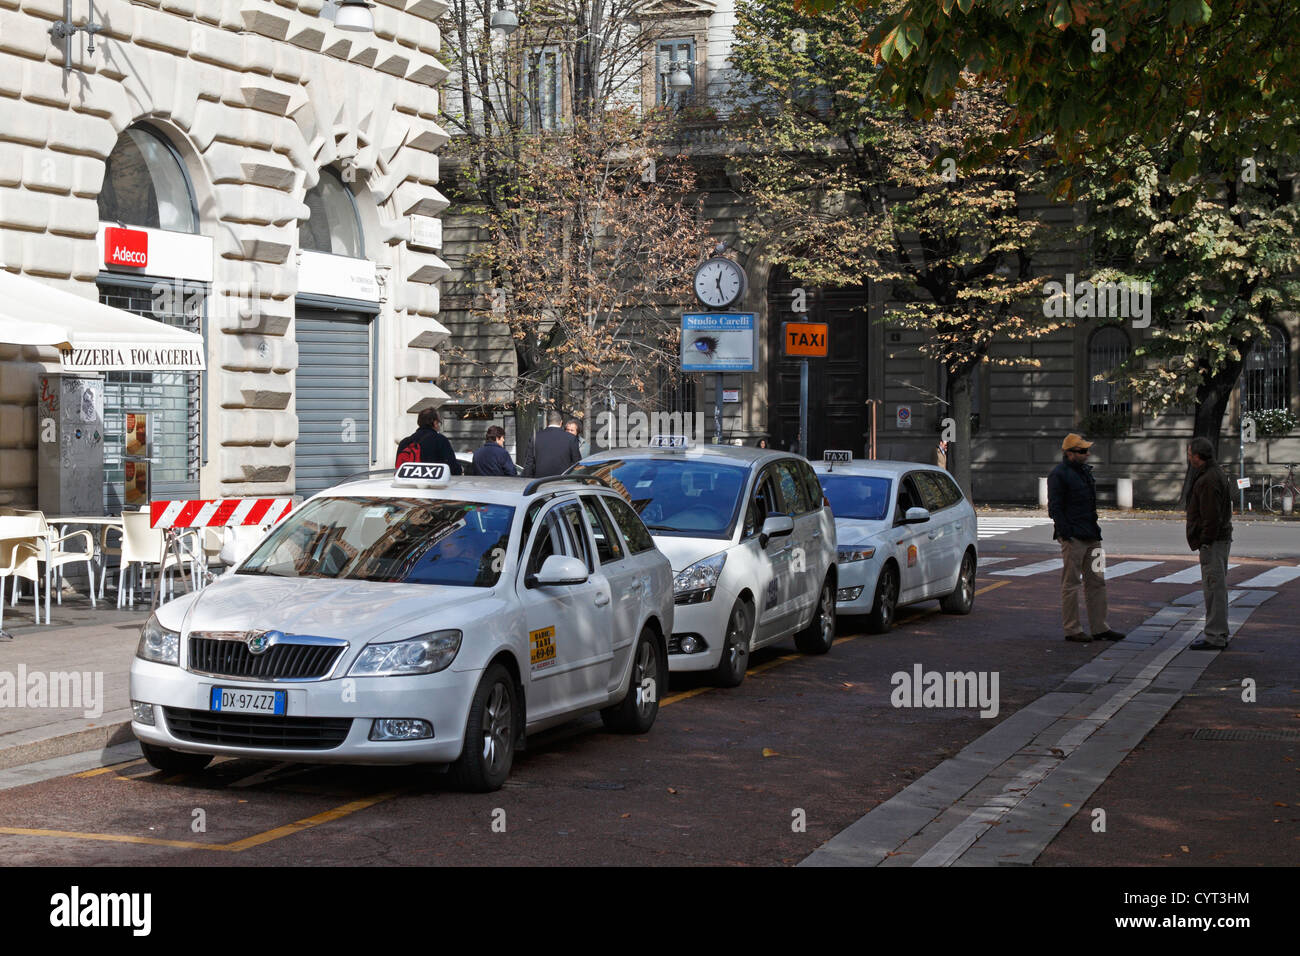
x=761, y=443
x=492, y=458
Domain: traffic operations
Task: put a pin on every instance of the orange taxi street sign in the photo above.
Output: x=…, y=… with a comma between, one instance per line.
x=804, y=338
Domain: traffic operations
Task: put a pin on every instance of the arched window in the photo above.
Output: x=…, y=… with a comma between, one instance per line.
x=1107, y=350
x=145, y=184
x=1265, y=375
x=333, y=226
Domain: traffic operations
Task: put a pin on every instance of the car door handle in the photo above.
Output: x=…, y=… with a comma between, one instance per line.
x=932, y=535
x=816, y=535
x=634, y=586
x=602, y=600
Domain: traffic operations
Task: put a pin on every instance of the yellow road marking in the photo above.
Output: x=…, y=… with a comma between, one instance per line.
x=238, y=846
x=113, y=766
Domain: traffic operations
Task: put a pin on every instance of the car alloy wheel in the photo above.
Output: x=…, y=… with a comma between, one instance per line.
x=962, y=599
x=819, y=635
x=735, y=649
x=881, y=618
x=636, y=712
x=498, y=730
x=490, y=732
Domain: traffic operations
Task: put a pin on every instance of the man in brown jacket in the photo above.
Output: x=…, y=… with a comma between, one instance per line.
x=1209, y=532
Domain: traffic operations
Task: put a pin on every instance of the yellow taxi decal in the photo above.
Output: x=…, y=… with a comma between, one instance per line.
x=541, y=648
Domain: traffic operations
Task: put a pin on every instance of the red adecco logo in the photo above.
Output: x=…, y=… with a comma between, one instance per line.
x=126, y=247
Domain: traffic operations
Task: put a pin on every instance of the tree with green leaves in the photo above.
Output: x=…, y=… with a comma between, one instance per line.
x=850, y=189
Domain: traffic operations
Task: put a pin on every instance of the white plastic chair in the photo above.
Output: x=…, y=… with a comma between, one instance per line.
x=55, y=556
x=106, y=551
x=20, y=551
x=142, y=545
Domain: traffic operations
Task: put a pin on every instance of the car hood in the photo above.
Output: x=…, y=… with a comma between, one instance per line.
x=358, y=611
x=683, y=552
x=853, y=531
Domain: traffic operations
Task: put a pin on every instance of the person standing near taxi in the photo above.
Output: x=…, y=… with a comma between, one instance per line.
x=552, y=450
x=1072, y=504
x=492, y=458
x=1209, y=533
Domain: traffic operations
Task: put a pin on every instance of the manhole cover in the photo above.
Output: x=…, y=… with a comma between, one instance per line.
x=1210, y=734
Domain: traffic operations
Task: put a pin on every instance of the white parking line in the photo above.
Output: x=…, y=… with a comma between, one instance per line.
x=986, y=562
x=1188, y=575
x=1271, y=578
x=1025, y=570
x=1128, y=567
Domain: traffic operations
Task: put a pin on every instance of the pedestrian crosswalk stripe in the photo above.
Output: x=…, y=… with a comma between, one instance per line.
x=1188, y=575
x=1128, y=567
x=1025, y=570
x=991, y=527
x=1271, y=578
x=986, y=562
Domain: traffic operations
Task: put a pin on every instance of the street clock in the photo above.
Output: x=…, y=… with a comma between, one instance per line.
x=719, y=283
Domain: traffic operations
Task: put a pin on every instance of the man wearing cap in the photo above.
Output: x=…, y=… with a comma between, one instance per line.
x=1072, y=503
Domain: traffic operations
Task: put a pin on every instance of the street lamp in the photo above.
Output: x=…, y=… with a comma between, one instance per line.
x=679, y=77
x=504, y=21
x=354, y=16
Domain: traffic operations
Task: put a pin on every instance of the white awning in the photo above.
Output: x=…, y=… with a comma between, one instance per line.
x=91, y=337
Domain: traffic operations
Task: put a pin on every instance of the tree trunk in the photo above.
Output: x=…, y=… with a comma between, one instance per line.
x=959, y=456
x=1212, y=398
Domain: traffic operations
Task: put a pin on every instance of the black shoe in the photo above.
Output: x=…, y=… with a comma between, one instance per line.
x=1079, y=638
x=1206, y=646
x=1108, y=636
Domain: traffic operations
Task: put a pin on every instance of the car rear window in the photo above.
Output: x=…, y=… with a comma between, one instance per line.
x=857, y=496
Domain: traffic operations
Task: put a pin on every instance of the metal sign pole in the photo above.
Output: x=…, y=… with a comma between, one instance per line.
x=717, y=409
x=803, y=408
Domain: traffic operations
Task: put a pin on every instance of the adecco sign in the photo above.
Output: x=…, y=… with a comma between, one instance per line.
x=126, y=247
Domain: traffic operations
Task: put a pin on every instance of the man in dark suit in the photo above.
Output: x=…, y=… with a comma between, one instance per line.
x=552, y=450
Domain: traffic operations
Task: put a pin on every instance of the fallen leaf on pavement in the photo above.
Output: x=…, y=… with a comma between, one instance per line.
x=769, y=752
x=1184, y=849
x=672, y=790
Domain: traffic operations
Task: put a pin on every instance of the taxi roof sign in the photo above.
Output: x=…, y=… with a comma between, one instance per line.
x=838, y=456
x=422, y=474
x=669, y=441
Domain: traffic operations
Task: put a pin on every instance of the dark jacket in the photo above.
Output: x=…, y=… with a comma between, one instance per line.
x=1209, y=508
x=550, y=452
x=434, y=446
x=492, y=459
x=1072, y=502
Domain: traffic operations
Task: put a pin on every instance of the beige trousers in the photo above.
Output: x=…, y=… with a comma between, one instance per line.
x=1083, y=559
x=1214, y=584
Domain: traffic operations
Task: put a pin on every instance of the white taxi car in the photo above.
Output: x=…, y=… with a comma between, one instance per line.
x=415, y=619
x=751, y=542
x=906, y=533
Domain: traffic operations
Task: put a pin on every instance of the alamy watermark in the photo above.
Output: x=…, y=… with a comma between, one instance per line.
x=53, y=689
x=621, y=428
x=952, y=689
x=1098, y=300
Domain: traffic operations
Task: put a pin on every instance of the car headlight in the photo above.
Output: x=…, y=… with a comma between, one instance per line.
x=696, y=584
x=846, y=554
x=426, y=654
x=158, y=644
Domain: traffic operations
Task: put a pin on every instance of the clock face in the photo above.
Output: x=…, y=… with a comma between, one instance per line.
x=719, y=282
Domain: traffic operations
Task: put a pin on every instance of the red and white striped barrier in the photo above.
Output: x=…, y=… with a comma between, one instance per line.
x=218, y=513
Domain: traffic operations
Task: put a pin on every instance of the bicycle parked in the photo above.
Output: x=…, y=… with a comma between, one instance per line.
x=1275, y=493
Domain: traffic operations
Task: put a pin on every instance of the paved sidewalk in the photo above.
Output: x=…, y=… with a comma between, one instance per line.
x=1006, y=796
x=63, y=688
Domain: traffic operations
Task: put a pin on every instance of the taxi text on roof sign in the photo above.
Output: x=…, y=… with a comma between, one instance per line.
x=670, y=441
x=837, y=456
x=804, y=338
x=418, y=473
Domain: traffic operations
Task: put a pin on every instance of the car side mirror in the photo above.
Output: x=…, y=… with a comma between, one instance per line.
x=776, y=526
x=916, y=516
x=558, y=570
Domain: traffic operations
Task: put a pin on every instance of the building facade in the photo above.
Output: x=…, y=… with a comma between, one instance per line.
x=249, y=171
x=1020, y=413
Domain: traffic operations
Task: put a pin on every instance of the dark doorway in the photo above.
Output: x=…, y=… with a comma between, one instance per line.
x=837, y=385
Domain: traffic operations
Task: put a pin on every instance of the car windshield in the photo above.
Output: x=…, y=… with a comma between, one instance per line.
x=857, y=496
x=407, y=540
x=678, y=495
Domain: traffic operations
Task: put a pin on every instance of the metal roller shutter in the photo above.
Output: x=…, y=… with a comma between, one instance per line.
x=333, y=399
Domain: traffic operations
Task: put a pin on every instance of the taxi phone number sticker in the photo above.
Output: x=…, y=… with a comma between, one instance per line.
x=541, y=648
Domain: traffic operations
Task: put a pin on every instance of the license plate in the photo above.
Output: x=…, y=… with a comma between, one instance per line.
x=229, y=700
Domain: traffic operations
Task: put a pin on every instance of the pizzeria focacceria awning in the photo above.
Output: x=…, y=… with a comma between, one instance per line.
x=90, y=336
